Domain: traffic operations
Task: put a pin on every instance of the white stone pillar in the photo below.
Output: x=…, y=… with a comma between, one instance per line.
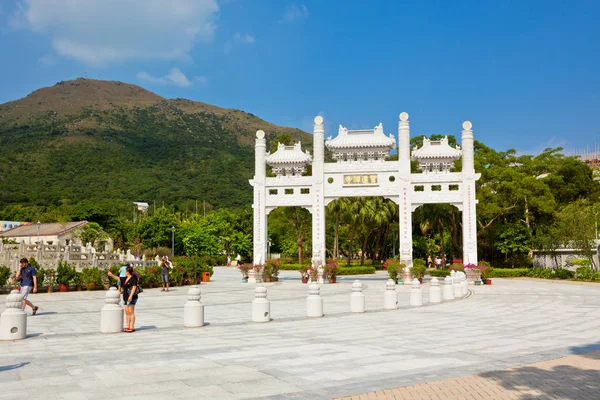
x=435, y=295
x=405, y=191
x=463, y=284
x=314, y=301
x=448, y=293
x=13, y=321
x=357, y=298
x=318, y=200
x=469, y=221
x=111, y=316
x=456, y=285
x=416, y=294
x=260, y=215
x=390, y=297
x=261, y=307
x=193, y=310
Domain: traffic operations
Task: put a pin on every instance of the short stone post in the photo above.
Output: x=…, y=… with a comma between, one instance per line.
x=435, y=295
x=193, y=310
x=416, y=294
x=406, y=276
x=456, y=285
x=357, y=298
x=320, y=271
x=111, y=316
x=13, y=321
x=251, y=275
x=390, y=297
x=448, y=293
x=314, y=301
x=463, y=284
x=261, y=307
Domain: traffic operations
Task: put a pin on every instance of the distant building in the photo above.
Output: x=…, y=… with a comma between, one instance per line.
x=6, y=225
x=59, y=233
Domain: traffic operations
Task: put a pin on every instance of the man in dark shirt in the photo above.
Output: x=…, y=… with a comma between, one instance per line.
x=164, y=275
x=27, y=273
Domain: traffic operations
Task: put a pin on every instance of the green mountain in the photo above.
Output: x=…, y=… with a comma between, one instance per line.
x=113, y=142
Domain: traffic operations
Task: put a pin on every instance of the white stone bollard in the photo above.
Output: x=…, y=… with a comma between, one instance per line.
x=463, y=284
x=193, y=310
x=456, y=286
x=320, y=272
x=251, y=275
x=314, y=301
x=416, y=294
x=111, y=316
x=390, y=297
x=261, y=307
x=448, y=293
x=435, y=295
x=13, y=321
x=357, y=298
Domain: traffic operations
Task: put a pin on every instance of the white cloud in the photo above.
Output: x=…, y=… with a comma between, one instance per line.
x=48, y=60
x=175, y=78
x=239, y=39
x=294, y=12
x=109, y=31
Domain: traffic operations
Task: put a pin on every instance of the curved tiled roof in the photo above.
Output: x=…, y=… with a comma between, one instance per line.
x=289, y=155
x=52, y=229
x=436, y=149
x=361, y=139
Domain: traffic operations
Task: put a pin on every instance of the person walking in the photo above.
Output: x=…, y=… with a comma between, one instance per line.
x=429, y=262
x=238, y=260
x=27, y=273
x=166, y=266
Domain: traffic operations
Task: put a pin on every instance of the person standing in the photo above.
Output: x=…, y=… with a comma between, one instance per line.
x=130, y=297
x=438, y=262
x=238, y=260
x=166, y=266
x=122, y=275
x=229, y=260
x=28, y=275
x=429, y=262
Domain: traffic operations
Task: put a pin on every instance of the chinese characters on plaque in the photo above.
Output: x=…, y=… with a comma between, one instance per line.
x=360, y=179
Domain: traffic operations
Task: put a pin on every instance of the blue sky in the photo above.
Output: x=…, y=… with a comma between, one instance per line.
x=526, y=73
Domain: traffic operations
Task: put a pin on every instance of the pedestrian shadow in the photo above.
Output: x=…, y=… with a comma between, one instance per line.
x=146, y=328
x=561, y=381
x=45, y=313
x=34, y=334
x=13, y=366
x=588, y=350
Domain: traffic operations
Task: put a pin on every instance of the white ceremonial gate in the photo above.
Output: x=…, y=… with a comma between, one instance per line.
x=361, y=170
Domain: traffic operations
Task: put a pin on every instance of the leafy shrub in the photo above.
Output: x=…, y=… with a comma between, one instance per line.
x=330, y=270
x=244, y=268
x=583, y=274
x=41, y=275
x=393, y=266
x=91, y=275
x=439, y=273
x=583, y=262
x=34, y=263
x=293, y=267
x=4, y=275
x=457, y=267
x=562, y=273
x=270, y=271
x=356, y=270
x=64, y=273
x=49, y=277
x=506, y=272
x=540, y=273
x=595, y=276
x=419, y=262
x=418, y=271
x=484, y=263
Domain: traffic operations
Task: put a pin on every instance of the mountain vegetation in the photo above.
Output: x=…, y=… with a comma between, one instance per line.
x=87, y=149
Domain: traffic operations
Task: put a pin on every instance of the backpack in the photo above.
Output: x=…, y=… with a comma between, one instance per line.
x=138, y=289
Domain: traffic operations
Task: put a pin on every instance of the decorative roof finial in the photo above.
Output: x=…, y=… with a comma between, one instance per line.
x=404, y=116
x=260, y=134
x=318, y=120
x=467, y=125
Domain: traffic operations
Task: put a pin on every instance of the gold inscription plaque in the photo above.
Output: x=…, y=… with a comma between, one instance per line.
x=360, y=179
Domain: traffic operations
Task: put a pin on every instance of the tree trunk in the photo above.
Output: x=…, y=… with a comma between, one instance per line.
x=442, y=249
x=364, y=250
x=336, y=252
x=299, y=243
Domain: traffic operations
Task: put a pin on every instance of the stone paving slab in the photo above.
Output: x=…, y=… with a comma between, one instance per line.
x=510, y=323
x=571, y=377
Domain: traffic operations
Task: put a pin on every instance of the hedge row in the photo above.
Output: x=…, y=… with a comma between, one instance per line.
x=356, y=270
x=293, y=267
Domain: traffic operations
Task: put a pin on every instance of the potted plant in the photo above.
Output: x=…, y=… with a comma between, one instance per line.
x=64, y=276
x=271, y=270
x=50, y=279
x=331, y=270
x=91, y=277
x=313, y=274
x=473, y=272
x=486, y=273
x=244, y=268
x=258, y=270
x=418, y=271
x=392, y=266
x=304, y=274
x=77, y=280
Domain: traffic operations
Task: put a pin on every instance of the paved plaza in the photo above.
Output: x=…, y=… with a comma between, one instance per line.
x=509, y=324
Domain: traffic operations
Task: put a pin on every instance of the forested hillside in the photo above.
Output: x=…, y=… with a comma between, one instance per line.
x=113, y=143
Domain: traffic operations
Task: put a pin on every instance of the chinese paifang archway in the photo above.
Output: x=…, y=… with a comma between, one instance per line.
x=361, y=169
